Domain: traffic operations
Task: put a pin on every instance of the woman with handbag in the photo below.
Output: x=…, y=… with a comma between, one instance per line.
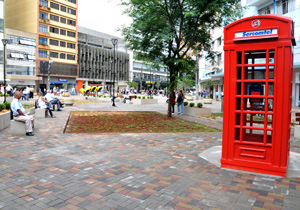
x=180, y=99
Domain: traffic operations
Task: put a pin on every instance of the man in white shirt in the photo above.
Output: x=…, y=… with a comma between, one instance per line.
x=53, y=99
x=19, y=113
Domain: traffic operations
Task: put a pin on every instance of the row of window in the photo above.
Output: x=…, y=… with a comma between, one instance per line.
x=62, y=20
x=16, y=55
x=43, y=40
x=44, y=16
x=43, y=54
x=62, y=8
x=27, y=42
x=44, y=29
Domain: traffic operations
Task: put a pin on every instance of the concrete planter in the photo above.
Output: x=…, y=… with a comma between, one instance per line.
x=69, y=101
x=8, y=99
x=4, y=120
x=144, y=101
x=196, y=112
x=207, y=100
x=189, y=98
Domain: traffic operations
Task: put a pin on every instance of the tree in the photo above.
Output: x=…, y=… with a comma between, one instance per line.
x=132, y=84
x=186, y=82
x=157, y=85
x=164, y=31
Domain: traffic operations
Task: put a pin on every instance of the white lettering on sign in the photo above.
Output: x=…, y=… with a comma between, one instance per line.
x=256, y=33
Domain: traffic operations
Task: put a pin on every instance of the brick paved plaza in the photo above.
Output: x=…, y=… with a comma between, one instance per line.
x=53, y=170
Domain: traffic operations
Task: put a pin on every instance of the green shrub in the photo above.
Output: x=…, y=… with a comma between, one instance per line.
x=104, y=96
x=185, y=103
x=148, y=97
x=7, y=95
x=139, y=97
x=6, y=105
x=199, y=105
x=192, y=104
x=151, y=97
x=110, y=96
x=1, y=95
x=1, y=107
x=144, y=97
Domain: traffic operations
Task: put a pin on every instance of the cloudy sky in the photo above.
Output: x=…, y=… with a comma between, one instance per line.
x=102, y=15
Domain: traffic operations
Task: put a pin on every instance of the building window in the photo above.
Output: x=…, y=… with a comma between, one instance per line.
x=44, y=3
x=62, y=56
x=71, y=57
x=63, y=8
x=70, y=45
x=285, y=6
x=265, y=11
x=53, y=42
x=72, y=11
x=73, y=1
x=43, y=28
x=62, y=44
x=62, y=32
x=43, y=41
x=43, y=16
x=1, y=25
x=72, y=22
x=71, y=34
x=54, y=55
x=54, y=17
x=63, y=20
x=54, y=30
x=42, y=54
x=54, y=6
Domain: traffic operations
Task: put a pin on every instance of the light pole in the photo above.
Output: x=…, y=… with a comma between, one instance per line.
x=49, y=71
x=4, y=41
x=114, y=42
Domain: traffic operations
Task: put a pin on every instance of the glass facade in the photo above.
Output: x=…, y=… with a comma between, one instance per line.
x=20, y=70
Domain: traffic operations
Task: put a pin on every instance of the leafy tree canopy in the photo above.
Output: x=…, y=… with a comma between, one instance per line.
x=164, y=31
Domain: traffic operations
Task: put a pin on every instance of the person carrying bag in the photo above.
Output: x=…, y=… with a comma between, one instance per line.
x=180, y=99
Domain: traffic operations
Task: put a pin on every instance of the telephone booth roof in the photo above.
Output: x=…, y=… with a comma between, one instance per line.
x=264, y=27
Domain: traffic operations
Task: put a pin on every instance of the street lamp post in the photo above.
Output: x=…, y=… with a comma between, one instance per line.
x=4, y=41
x=114, y=42
x=49, y=71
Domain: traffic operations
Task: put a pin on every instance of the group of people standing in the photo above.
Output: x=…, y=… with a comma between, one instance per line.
x=179, y=99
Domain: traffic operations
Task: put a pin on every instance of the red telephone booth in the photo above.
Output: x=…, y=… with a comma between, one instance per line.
x=257, y=94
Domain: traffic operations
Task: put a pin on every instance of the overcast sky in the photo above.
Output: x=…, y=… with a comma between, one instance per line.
x=102, y=15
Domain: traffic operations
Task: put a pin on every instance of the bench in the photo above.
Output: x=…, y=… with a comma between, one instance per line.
x=297, y=127
x=17, y=127
x=131, y=97
x=41, y=113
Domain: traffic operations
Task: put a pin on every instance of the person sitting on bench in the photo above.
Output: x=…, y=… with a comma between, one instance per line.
x=44, y=104
x=53, y=99
x=19, y=113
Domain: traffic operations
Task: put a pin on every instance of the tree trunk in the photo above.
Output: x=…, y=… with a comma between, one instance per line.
x=172, y=85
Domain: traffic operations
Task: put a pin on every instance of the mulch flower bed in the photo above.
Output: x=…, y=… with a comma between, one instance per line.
x=130, y=122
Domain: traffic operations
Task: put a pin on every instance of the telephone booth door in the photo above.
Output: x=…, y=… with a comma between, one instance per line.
x=257, y=83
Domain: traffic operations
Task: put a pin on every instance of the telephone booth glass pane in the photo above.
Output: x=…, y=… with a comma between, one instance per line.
x=255, y=57
x=254, y=120
x=271, y=56
x=271, y=72
x=254, y=88
x=255, y=72
x=253, y=135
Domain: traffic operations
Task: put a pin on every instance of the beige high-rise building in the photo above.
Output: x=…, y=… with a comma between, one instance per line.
x=55, y=24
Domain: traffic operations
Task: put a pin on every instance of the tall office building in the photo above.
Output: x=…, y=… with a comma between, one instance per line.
x=55, y=24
